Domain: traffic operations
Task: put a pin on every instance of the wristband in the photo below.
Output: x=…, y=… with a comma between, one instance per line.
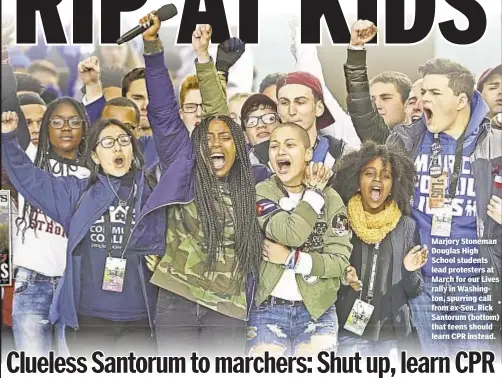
x=291, y=260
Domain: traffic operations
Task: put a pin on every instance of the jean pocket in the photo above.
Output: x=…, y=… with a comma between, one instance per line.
x=260, y=308
x=20, y=287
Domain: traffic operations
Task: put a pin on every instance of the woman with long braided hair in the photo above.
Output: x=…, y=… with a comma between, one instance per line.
x=214, y=245
x=39, y=242
x=213, y=242
x=210, y=188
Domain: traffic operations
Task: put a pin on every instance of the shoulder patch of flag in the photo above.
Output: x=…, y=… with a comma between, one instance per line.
x=265, y=206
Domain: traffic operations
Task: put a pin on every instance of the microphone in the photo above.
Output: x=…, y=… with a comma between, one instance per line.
x=164, y=13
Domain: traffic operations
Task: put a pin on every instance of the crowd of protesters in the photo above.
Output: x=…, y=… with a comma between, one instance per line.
x=160, y=215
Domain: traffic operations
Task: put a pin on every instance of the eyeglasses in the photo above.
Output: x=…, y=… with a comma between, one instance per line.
x=73, y=122
x=267, y=119
x=190, y=107
x=109, y=142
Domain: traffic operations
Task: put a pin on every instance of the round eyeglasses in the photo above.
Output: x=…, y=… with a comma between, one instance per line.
x=109, y=142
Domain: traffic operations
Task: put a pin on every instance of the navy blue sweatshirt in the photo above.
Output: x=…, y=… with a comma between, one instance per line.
x=128, y=305
x=458, y=255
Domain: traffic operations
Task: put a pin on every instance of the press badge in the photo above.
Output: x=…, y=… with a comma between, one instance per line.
x=441, y=221
x=113, y=279
x=359, y=317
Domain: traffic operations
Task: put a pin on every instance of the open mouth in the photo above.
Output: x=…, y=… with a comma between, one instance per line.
x=428, y=115
x=263, y=135
x=415, y=117
x=218, y=160
x=375, y=193
x=118, y=161
x=283, y=166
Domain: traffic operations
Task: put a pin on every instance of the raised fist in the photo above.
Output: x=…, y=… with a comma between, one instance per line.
x=9, y=122
x=201, y=38
x=152, y=19
x=89, y=70
x=229, y=52
x=362, y=32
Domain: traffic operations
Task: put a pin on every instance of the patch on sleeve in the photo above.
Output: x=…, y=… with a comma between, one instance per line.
x=340, y=224
x=265, y=206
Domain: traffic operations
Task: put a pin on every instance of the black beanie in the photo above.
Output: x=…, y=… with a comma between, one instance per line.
x=30, y=99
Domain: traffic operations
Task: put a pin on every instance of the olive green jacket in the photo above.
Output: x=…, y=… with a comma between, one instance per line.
x=326, y=237
x=213, y=89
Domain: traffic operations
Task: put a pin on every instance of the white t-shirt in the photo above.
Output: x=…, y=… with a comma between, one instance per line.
x=287, y=288
x=43, y=251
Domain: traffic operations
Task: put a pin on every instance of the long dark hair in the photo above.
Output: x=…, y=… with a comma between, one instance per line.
x=403, y=172
x=92, y=141
x=45, y=151
x=42, y=159
x=241, y=184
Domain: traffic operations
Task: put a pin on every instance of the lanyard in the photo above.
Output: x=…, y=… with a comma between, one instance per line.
x=127, y=229
x=435, y=168
x=372, y=278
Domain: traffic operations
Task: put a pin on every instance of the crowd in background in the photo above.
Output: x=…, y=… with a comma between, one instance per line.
x=162, y=212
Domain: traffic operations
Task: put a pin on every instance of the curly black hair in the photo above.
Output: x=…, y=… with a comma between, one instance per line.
x=208, y=198
x=404, y=177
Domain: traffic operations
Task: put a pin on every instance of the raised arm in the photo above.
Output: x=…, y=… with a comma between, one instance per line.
x=214, y=95
x=307, y=60
x=169, y=131
x=368, y=123
x=94, y=99
x=55, y=196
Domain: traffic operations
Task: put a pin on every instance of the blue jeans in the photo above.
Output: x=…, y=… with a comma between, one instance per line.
x=290, y=330
x=348, y=345
x=184, y=327
x=443, y=330
x=33, y=293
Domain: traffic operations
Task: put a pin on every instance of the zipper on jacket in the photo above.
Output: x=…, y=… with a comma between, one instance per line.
x=143, y=288
x=75, y=319
x=142, y=276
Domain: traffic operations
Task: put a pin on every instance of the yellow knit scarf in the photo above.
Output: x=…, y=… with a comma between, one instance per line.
x=372, y=228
